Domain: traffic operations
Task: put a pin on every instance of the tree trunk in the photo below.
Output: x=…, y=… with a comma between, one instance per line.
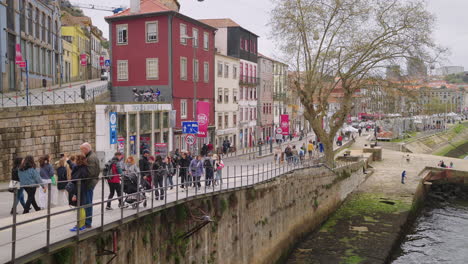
x=329, y=153
x=325, y=138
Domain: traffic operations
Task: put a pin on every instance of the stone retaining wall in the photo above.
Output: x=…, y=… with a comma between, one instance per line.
x=257, y=224
x=43, y=130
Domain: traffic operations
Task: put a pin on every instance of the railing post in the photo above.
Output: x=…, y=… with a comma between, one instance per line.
x=227, y=178
x=263, y=171
x=102, y=203
x=165, y=188
x=121, y=197
x=78, y=206
x=138, y=197
x=49, y=192
x=13, y=228
x=177, y=184
x=241, y=175
x=235, y=176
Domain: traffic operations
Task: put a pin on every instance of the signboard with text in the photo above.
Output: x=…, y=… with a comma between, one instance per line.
x=113, y=127
x=284, y=124
x=101, y=61
x=83, y=59
x=160, y=149
x=189, y=127
x=203, y=118
x=121, y=144
x=18, y=56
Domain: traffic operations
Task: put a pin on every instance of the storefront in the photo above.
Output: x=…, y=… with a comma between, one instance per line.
x=139, y=127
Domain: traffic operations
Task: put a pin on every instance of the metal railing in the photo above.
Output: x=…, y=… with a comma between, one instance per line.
x=63, y=96
x=248, y=80
x=25, y=235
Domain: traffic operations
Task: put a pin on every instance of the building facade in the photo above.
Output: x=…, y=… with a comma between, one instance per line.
x=265, y=125
x=35, y=26
x=227, y=97
x=96, y=53
x=280, y=77
x=235, y=41
x=78, y=36
x=153, y=47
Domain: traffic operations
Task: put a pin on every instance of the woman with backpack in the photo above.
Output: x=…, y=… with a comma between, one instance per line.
x=30, y=179
x=209, y=170
x=15, y=178
x=63, y=176
x=218, y=165
x=47, y=173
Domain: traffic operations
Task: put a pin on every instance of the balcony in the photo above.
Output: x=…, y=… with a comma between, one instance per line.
x=279, y=96
x=249, y=80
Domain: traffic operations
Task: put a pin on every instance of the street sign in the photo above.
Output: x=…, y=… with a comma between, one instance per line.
x=279, y=130
x=107, y=63
x=190, y=139
x=113, y=127
x=101, y=61
x=189, y=127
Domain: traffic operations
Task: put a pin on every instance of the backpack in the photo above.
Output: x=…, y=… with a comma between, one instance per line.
x=61, y=177
x=107, y=171
x=207, y=164
x=301, y=152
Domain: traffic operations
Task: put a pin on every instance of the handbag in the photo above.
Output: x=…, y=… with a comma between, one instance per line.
x=54, y=180
x=13, y=185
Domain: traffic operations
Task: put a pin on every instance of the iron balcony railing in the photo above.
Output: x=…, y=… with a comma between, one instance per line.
x=249, y=80
x=23, y=235
x=279, y=96
x=64, y=96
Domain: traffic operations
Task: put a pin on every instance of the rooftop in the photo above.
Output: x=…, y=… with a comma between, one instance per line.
x=220, y=22
x=146, y=7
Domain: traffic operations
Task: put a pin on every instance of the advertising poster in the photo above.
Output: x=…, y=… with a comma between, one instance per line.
x=133, y=145
x=203, y=116
x=160, y=149
x=121, y=144
x=284, y=124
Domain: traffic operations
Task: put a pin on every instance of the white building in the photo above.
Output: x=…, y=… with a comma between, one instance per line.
x=227, y=96
x=447, y=70
x=280, y=72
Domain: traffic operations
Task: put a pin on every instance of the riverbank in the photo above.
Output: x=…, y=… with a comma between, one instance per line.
x=369, y=224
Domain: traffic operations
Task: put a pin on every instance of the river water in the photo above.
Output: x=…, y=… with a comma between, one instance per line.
x=439, y=234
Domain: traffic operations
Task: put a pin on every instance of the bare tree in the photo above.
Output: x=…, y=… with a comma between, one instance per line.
x=345, y=45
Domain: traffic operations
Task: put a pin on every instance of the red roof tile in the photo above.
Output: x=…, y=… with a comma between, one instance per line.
x=220, y=23
x=146, y=6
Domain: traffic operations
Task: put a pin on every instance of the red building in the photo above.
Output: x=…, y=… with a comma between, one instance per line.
x=154, y=47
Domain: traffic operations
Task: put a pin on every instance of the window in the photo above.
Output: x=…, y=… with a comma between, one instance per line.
x=241, y=113
x=234, y=119
x=234, y=96
x=183, y=68
x=220, y=95
x=220, y=121
x=226, y=121
x=195, y=37
x=220, y=69
x=152, y=69
x=122, y=70
x=234, y=72
x=122, y=34
x=241, y=91
x=205, y=40
x=226, y=70
x=241, y=43
x=183, y=109
x=152, y=31
x=206, y=72
x=246, y=44
x=226, y=95
x=183, y=34
x=195, y=70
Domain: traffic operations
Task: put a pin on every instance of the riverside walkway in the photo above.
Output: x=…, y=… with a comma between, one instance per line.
x=24, y=237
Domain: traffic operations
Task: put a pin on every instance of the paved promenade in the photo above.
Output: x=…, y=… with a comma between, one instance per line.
x=32, y=236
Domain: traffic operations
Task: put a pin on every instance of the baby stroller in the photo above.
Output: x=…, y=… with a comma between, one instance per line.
x=131, y=189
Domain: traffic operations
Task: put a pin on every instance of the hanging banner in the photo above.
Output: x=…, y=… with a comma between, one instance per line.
x=121, y=144
x=101, y=61
x=83, y=59
x=18, y=56
x=203, y=116
x=285, y=124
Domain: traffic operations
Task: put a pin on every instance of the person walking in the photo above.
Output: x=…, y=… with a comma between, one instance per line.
x=171, y=171
x=310, y=149
x=288, y=154
x=218, y=166
x=295, y=154
x=29, y=180
x=321, y=147
x=403, y=176
x=80, y=182
x=277, y=158
x=184, y=164
x=209, y=170
x=46, y=172
x=63, y=176
x=130, y=168
x=196, y=171
x=160, y=172
x=94, y=171
x=14, y=177
x=145, y=166
x=113, y=177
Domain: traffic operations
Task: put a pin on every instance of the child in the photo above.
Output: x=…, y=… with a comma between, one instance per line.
x=403, y=176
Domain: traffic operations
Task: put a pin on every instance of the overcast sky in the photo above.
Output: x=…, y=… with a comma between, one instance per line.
x=451, y=31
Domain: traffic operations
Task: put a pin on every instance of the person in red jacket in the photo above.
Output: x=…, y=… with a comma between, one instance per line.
x=114, y=179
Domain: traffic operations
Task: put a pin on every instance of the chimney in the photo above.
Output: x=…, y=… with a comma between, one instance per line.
x=135, y=6
x=171, y=4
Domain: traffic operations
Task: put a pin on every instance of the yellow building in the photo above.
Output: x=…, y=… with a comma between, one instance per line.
x=67, y=61
x=75, y=32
